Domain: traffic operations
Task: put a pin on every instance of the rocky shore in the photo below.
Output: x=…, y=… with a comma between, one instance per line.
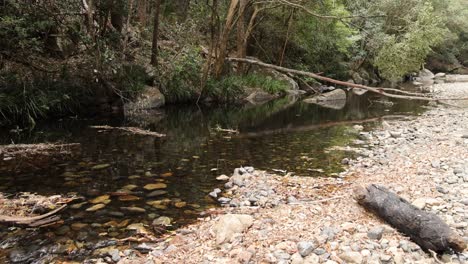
x=271, y=218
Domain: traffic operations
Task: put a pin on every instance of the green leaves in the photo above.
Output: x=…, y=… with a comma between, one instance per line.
x=400, y=42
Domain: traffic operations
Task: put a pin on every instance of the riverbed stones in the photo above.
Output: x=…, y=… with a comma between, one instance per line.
x=133, y=210
x=78, y=226
x=162, y=221
x=100, y=199
x=63, y=230
x=100, y=166
x=156, y=193
x=154, y=186
x=95, y=207
x=230, y=225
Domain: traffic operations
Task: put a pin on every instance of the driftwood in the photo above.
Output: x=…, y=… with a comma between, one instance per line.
x=132, y=130
x=35, y=221
x=424, y=228
x=377, y=90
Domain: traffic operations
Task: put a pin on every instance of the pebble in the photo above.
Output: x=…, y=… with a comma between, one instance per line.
x=114, y=254
x=351, y=257
x=376, y=233
x=222, y=178
x=305, y=248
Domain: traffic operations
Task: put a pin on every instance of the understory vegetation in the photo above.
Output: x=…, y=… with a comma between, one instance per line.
x=62, y=57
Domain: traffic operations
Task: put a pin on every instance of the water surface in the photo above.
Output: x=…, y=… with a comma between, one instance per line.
x=283, y=134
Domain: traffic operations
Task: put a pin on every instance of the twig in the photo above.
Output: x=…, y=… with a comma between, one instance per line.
x=317, y=201
x=434, y=255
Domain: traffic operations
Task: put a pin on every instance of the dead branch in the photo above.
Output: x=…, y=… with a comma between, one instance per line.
x=376, y=90
x=35, y=221
x=132, y=130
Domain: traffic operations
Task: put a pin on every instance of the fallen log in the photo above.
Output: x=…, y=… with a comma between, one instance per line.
x=376, y=90
x=424, y=228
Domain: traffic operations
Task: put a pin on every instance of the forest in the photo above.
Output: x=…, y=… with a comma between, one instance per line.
x=68, y=57
x=234, y=131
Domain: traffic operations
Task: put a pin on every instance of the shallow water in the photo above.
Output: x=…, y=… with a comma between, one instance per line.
x=283, y=134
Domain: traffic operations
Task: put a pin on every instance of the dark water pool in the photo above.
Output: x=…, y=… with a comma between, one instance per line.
x=282, y=134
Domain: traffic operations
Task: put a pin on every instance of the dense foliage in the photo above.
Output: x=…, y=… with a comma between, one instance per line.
x=55, y=56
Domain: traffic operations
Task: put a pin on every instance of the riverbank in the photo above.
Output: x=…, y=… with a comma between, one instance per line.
x=315, y=220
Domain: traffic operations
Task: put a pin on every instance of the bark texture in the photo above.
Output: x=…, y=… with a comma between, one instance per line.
x=424, y=228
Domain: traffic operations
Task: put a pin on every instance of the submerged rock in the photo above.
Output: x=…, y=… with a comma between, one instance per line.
x=95, y=207
x=154, y=186
x=100, y=166
x=162, y=221
x=133, y=209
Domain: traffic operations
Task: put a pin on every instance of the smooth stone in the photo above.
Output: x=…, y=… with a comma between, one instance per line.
x=231, y=224
x=100, y=199
x=128, y=198
x=420, y=203
x=116, y=214
x=114, y=254
x=133, y=209
x=351, y=257
x=222, y=178
x=138, y=227
x=78, y=205
x=296, y=258
x=376, y=233
x=95, y=207
x=180, y=204
x=154, y=186
x=162, y=221
x=305, y=248
x=224, y=200
x=78, y=226
x=156, y=193
x=100, y=167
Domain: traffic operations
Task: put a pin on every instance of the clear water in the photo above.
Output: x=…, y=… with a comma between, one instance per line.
x=282, y=134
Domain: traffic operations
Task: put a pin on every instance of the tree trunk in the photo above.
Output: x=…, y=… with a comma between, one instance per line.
x=223, y=43
x=142, y=12
x=117, y=15
x=182, y=8
x=424, y=228
x=88, y=7
x=127, y=27
x=212, y=51
x=154, y=50
x=241, y=38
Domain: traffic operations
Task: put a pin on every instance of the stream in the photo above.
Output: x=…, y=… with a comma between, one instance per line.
x=171, y=177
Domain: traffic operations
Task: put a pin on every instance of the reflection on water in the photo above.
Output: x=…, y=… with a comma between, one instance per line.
x=282, y=134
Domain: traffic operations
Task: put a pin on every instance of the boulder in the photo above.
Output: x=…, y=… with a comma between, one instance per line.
x=359, y=91
x=258, y=96
x=150, y=98
x=293, y=85
x=335, y=99
x=425, y=75
x=231, y=224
